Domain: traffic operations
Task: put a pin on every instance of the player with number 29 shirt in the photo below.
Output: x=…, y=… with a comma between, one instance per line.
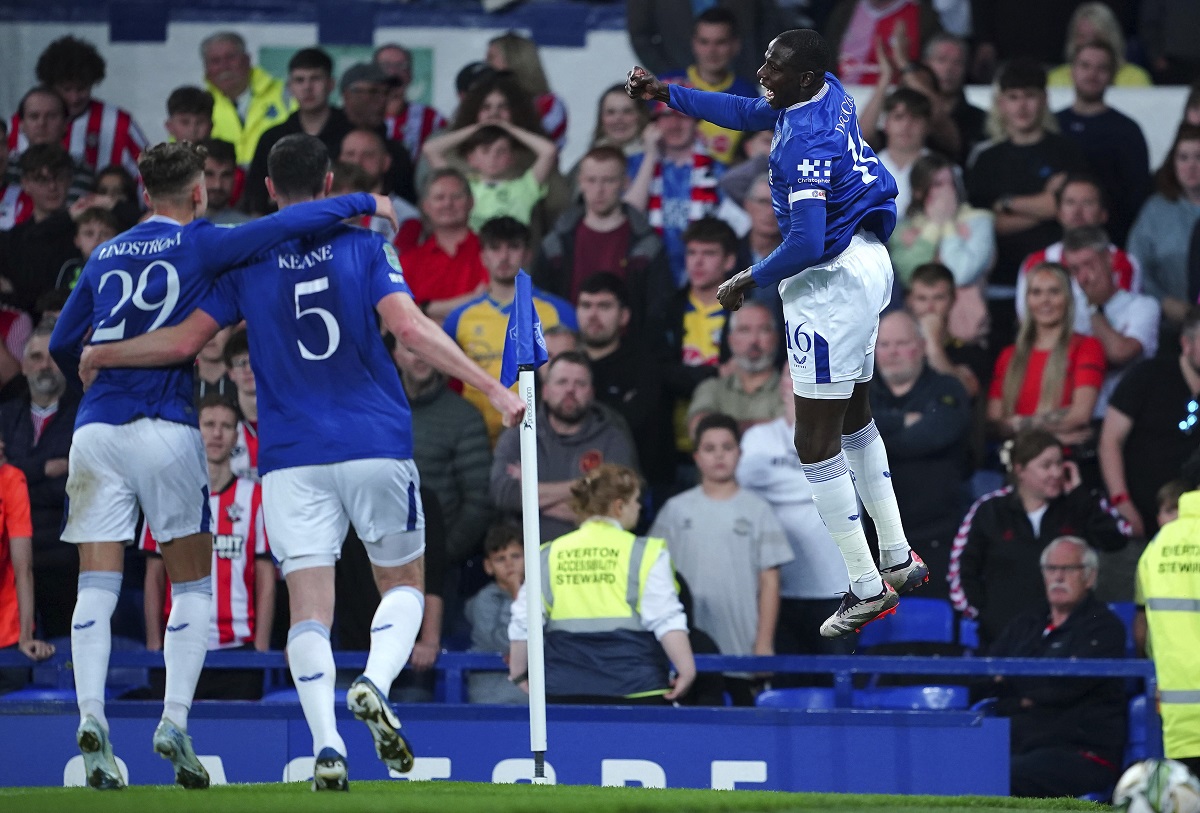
x=136, y=439
x=835, y=203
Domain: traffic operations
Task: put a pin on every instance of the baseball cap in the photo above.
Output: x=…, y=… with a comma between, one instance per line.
x=363, y=72
x=471, y=73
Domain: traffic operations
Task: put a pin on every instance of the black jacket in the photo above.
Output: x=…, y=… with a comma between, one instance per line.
x=47, y=495
x=1088, y=713
x=932, y=450
x=994, y=566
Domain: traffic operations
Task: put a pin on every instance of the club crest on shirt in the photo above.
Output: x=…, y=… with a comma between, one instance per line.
x=234, y=513
x=228, y=546
x=590, y=460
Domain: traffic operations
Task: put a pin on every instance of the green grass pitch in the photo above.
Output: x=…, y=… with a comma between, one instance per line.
x=465, y=797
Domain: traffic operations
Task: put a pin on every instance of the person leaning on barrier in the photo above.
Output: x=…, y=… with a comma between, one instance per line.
x=1068, y=735
x=606, y=596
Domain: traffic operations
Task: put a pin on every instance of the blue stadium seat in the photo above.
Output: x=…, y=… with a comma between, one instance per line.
x=1135, y=746
x=926, y=620
x=38, y=694
x=802, y=698
x=914, y=698
x=292, y=696
x=1126, y=611
x=968, y=633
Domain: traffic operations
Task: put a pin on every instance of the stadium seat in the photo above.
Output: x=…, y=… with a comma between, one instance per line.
x=929, y=620
x=292, y=696
x=968, y=634
x=914, y=698
x=803, y=698
x=1126, y=611
x=1135, y=746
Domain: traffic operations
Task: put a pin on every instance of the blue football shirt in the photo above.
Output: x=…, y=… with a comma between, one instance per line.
x=818, y=158
x=327, y=388
x=153, y=276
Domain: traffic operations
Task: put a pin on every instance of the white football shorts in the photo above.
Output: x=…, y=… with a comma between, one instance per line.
x=112, y=468
x=308, y=510
x=831, y=315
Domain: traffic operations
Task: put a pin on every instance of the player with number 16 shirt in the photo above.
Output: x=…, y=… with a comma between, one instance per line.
x=835, y=203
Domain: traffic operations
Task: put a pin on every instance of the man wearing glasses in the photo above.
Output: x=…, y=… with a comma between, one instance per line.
x=1148, y=431
x=1067, y=735
x=32, y=253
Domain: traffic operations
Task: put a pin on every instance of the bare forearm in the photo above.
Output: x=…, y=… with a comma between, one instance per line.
x=551, y=494
x=518, y=658
x=768, y=610
x=638, y=193
x=264, y=604
x=431, y=623
x=21, y=553
x=437, y=148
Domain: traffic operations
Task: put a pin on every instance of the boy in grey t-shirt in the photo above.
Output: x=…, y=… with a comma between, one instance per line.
x=728, y=546
x=488, y=613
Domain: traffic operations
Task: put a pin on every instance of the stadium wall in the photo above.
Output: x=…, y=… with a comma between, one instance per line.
x=944, y=753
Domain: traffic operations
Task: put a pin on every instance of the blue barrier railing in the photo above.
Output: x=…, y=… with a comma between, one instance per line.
x=454, y=665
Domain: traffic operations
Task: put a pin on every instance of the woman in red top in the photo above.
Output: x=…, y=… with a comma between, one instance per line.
x=1051, y=377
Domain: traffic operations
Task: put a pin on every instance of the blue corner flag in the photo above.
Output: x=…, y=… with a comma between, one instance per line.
x=524, y=344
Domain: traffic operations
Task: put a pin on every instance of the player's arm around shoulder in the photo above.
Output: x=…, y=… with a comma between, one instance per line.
x=160, y=348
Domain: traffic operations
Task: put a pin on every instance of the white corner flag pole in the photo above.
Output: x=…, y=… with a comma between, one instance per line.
x=531, y=523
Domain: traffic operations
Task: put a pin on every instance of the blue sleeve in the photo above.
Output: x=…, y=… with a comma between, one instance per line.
x=802, y=246
x=66, y=342
x=724, y=109
x=222, y=301
x=384, y=273
x=450, y=323
x=227, y=247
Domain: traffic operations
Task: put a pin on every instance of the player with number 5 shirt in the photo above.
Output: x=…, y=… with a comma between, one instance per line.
x=136, y=441
x=835, y=203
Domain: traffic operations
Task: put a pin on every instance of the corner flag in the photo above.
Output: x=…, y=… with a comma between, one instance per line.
x=524, y=344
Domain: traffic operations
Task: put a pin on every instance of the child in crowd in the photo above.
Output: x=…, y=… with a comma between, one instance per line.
x=488, y=613
x=1168, y=500
x=489, y=152
x=93, y=226
x=728, y=545
x=189, y=114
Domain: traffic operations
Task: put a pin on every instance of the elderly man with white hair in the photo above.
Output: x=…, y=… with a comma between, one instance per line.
x=1067, y=735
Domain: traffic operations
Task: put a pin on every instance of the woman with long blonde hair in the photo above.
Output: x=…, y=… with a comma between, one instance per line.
x=1051, y=377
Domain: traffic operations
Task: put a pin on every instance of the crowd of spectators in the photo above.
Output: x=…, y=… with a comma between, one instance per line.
x=1036, y=379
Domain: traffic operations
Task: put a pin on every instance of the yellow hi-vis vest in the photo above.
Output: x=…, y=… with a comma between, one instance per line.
x=1169, y=577
x=593, y=579
x=269, y=105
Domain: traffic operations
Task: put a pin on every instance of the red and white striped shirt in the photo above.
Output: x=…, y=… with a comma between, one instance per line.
x=244, y=461
x=15, y=328
x=553, y=113
x=100, y=136
x=412, y=127
x=239, y=538
x=15, y=206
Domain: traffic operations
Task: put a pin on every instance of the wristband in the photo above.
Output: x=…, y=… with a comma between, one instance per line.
x=519, y=678
x=1118, y=499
